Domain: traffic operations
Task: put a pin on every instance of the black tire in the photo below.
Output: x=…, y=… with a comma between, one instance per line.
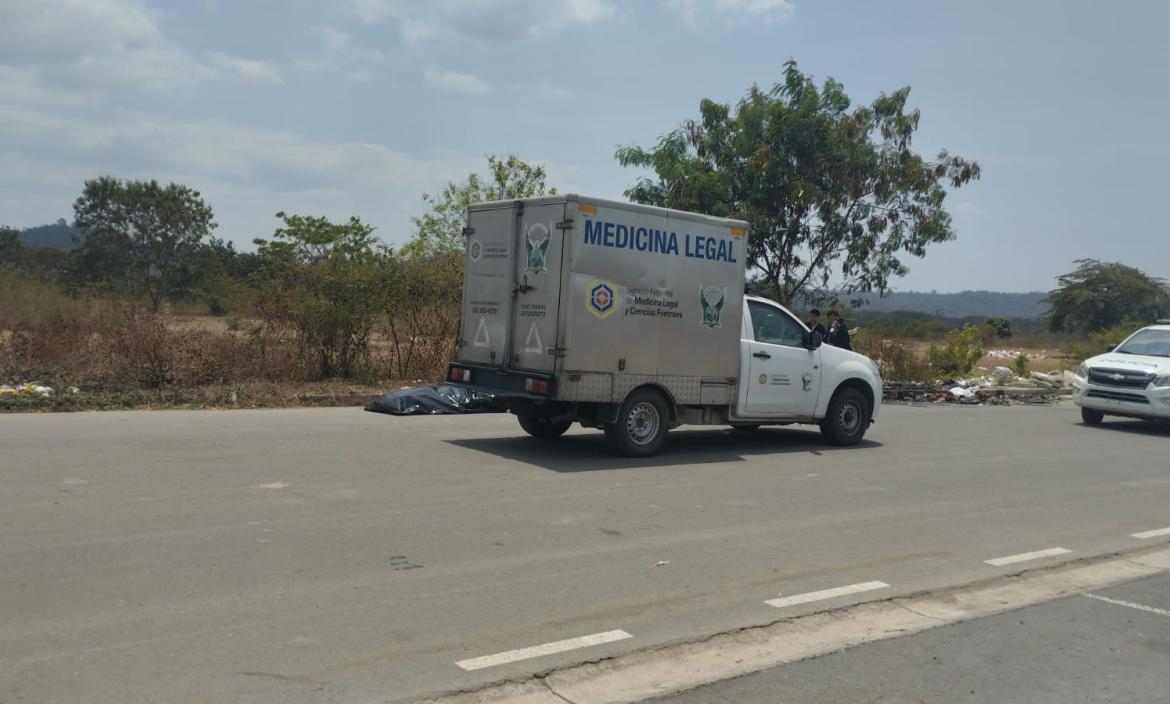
x=544, y=428
x=848, y=418
x=641, y=424
x=1091, y=417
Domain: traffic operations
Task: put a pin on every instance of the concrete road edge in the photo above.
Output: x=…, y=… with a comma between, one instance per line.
x=671, y=669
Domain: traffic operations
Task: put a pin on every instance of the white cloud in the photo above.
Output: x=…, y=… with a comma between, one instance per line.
x=92, y=44
x=87, y=47
x=968, y=209
x=259, y=71
x=339, y=54
x=767, y=11
x=497, y=20
x=687, y=10
x=334, y=39
x=545, y=90
x=245, y=174
x=456, y=81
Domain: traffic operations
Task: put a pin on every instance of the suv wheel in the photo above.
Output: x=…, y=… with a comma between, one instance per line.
x=1091, y=417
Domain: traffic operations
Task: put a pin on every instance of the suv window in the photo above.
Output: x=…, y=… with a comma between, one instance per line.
x=774, y=326
x=1155, y=343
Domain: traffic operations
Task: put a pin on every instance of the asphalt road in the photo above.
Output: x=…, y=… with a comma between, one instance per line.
x=334, y=555
x=1111, y=645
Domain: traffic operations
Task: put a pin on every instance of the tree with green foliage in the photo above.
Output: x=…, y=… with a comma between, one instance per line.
x=324, y=280
x=221, y=275
x=138, y=237
x=1100, y=295
x=441, y=230
x=831, y=194
x=1001, y=326
x=960, y=353
x=11, y=248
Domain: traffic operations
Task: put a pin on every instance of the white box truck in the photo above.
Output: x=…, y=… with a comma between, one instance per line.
x=633, y=319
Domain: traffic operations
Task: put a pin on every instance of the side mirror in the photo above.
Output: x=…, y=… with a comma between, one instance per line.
x=1112, y=347
x=811, y=340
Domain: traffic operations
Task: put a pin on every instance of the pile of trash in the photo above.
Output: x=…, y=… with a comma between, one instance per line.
x=31, y=388
x=997, y=387
x=434, y=401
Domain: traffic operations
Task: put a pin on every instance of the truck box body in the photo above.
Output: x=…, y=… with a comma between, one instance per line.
x=601, y=297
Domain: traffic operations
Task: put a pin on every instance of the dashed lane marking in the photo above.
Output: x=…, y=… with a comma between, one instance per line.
x=1025, y=556
x=1158, y=533
x=826, y=594
x=537, y=651
x=1130, y=604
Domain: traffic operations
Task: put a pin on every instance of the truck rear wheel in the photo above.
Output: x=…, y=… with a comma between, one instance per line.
x=848, y=418
x=641, y=424
x=544, y=428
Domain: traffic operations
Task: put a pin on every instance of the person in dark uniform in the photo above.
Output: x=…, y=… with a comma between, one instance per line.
x=838, y=335
x=814, y=322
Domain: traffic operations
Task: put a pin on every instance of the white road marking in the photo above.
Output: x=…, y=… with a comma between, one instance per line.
x=1151, y=533
x=1025, y=556
x=825, y=594
x=1130, y=604
x=537, y=651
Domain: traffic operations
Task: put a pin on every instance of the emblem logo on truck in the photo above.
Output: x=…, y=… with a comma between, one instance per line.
x=536, y=242
x=475, y=250
x=712, y=299
x=602, y=301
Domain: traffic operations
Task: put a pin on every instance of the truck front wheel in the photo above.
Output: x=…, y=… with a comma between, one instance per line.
x=848, y=418
x=641, y=424
x=539, y=427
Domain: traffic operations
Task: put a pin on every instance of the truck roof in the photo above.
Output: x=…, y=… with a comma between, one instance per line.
x=624, y=205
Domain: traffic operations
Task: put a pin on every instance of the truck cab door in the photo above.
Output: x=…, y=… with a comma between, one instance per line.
x=784, y=377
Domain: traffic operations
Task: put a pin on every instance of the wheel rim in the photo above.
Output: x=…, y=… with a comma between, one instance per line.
x=850, y=418
x=642, y=423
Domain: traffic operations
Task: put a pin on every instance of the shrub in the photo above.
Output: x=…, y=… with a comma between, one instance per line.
x=1081, y=348
x=1021, y=365
x=898, y=360
x=959, y=354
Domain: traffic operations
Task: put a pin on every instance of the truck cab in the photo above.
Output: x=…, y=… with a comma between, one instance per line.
x=787, y=375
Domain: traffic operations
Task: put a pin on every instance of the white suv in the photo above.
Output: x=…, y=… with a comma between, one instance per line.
x=1131, y=380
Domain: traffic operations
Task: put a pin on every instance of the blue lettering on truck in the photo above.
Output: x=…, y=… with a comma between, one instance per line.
x=641, y=239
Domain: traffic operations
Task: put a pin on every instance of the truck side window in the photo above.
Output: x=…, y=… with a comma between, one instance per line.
x=774, y=326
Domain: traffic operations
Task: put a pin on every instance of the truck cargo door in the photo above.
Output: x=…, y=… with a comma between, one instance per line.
x=487, y=284
x=539, y=250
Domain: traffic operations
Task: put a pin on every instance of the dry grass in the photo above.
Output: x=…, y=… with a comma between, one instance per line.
x=1039, y=360
x=122, y=355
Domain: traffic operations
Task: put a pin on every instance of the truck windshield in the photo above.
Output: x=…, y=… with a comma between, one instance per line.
x=1153, y=343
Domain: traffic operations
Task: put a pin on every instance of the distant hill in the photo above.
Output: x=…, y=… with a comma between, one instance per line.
x=59, y=235
x=963, y=304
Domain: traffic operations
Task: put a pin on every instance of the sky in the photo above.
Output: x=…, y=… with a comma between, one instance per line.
x=358, y=107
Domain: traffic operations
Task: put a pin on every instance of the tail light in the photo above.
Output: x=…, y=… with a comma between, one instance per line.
x=536, y=386
x=459, y=375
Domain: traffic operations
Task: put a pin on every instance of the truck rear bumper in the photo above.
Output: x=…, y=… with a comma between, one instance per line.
x=511, y=383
